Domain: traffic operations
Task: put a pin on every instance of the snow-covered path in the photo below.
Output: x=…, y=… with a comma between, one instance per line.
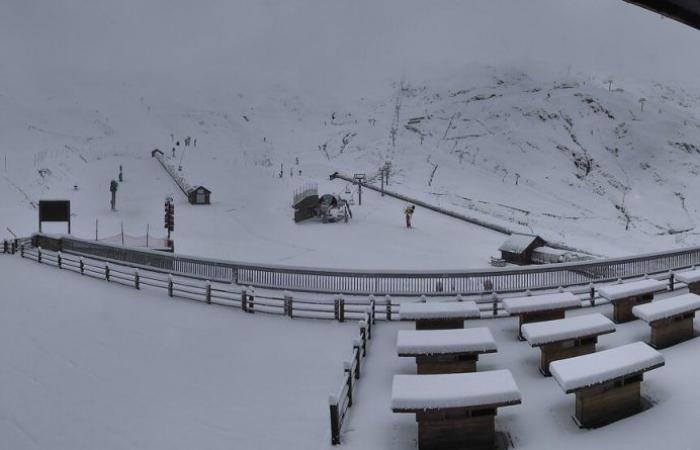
x=91, y=366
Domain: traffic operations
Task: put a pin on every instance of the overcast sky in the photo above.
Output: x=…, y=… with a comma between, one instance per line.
x=331, y=43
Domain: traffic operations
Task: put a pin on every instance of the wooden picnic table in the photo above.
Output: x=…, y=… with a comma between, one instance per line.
x=607, y=383
x=455, y=411
x=566, y=338
x=670, y=319
x=539, y=308
x=445, y=351
x=625, y=296
x=439, y=315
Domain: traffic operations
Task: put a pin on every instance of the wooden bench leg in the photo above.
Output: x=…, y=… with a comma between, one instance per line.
x=667, y=332
x=694, y=288
x=463, y=430
x=622, y=309
x=564, y=350
x=439, y=324
x=439, y=364
x=600, y=405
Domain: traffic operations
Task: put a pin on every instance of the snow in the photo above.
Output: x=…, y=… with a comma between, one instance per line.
x=668, y=307
x=431, y=342
x=438, y=310
x=424, y=392
x=595, y=368
x=618, y=291
x=91, y=365
x=689, y=276
x=519, y=305
x=541, y=333
x=517, y=243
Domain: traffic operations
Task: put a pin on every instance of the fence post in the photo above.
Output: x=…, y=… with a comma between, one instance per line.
x=387, y=299
x=137, y=279
x=171, y=285
x=208, y=292
x=494, y=299
x=341, y=308
x=4, y=246
x=21, y=251
x=592, y=294
x=288, y=304
x=38, y=255
x=372, y=304
x=82, y=267
x=58, y=259
x=251, y=299
x=363, y=337
x=14, y=246
x=348, y=373
x=335, y=419
x=107, y=272
x=671, y=280
x=356, y=349
x=368, y=321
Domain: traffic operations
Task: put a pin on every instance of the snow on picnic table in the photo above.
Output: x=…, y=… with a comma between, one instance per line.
x=468, y=340
x=539, y=333
x=668, y=307
x=689, y=276
x=618, y=291
x=438, y=310
x=519, y=305
x=457, y=390
x=595, y=368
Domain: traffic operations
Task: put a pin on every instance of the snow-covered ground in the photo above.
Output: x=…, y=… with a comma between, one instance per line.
x=86, y=365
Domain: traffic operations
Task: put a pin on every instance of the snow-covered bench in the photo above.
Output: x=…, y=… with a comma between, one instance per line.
x=691, y=278
x=455, y=410
x=445, y=351
x=538, y=308
x=670, y=319
x=439, y=315
x=566, y=338
x=625, y=296
x=606, y=383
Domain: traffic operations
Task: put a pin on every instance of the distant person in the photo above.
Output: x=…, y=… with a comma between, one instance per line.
x=409, y=214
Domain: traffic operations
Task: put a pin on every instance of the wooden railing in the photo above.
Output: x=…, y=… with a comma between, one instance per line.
x=575, y=276
x=339, y=403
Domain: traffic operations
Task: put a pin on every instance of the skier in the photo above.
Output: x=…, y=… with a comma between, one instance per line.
x=409, y=213
x=113, y=186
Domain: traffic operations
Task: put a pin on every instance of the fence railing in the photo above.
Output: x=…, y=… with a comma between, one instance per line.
x=339, y=403
x=397, y=283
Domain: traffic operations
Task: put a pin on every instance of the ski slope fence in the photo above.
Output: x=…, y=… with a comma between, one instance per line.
x=574, y=276
x=339, y=403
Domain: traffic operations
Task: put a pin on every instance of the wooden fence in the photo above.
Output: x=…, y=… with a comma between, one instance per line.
x=340, y=402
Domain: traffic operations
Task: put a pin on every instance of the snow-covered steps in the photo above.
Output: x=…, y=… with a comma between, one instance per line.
x=670, y=319
x=607, y=383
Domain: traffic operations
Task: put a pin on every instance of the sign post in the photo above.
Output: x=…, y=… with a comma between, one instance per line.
x=54, y=211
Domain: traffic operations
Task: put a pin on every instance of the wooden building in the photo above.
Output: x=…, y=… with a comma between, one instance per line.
x=518, y=248
x=199, y=196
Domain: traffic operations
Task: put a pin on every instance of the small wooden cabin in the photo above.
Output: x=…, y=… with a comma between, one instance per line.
x=518, y=248
x=199, y=196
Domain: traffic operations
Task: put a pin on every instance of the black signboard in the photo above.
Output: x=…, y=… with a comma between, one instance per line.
x=54, y=211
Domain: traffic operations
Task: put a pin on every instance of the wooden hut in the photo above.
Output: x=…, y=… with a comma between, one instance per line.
x=199, y=196
x=518, y=248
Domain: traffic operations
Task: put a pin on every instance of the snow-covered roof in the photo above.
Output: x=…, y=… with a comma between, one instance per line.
x=669, y=307
x=518, y=305
x=430, y=342
x=458, y=390
x=517, y=243
x=438, y=310
x=595, y=368
x=540, y=333
x=618, y=291
x=689, y=276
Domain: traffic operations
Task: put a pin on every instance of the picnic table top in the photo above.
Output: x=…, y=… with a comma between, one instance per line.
x=558, y=300
x=411, y=393
x=540, y=333
x=438, y=310
x=624, y=290
x=580, y=372
x=432, y=342
x=668, y=307
x=689, y=276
